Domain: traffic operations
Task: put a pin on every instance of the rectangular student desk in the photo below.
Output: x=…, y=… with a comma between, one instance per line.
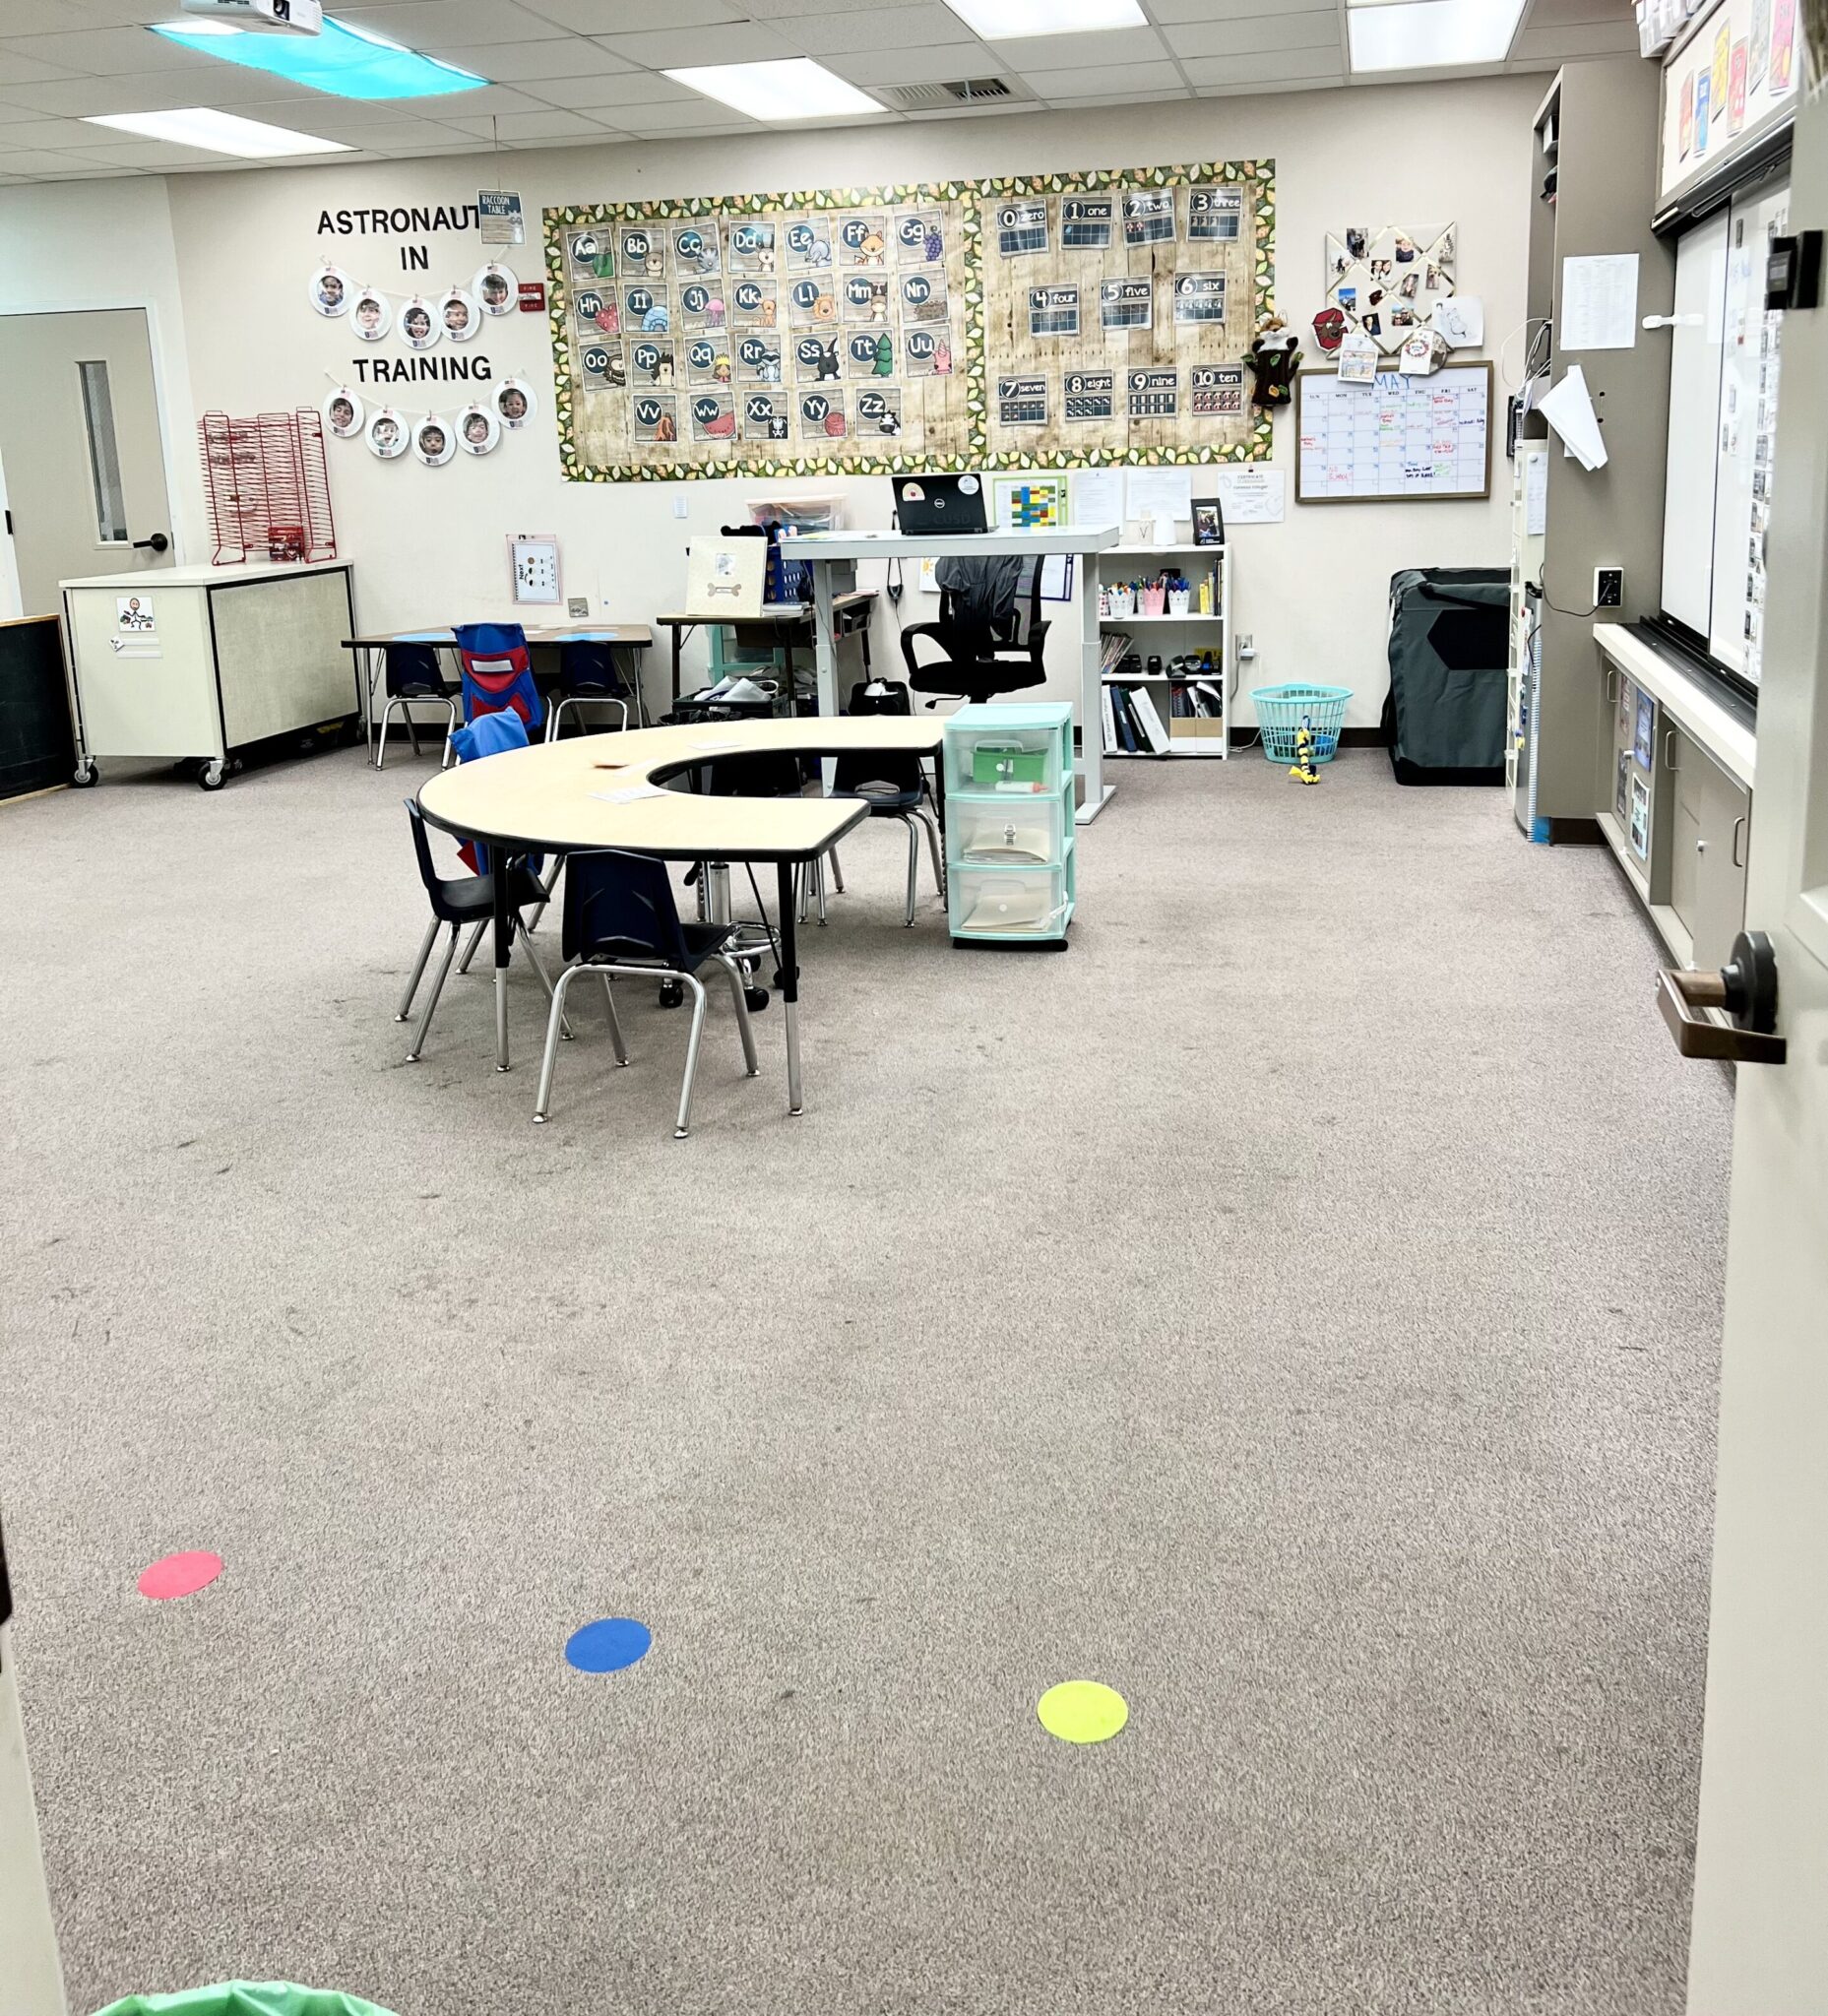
x=783, y=626
x=370, y=650
x=551, y=798
x=834, y=557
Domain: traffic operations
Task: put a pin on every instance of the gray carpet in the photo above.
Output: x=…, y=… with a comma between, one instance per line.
x=1295, y=1306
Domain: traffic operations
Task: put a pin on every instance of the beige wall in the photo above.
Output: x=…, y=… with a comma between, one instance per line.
x=430, y=543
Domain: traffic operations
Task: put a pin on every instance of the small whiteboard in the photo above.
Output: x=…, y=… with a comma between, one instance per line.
x=1396, y=440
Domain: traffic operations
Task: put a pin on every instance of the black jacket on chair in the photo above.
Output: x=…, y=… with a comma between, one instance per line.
x=989, y=632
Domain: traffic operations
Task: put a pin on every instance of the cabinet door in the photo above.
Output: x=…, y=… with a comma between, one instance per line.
x=1687, y=846
x=1725, y=829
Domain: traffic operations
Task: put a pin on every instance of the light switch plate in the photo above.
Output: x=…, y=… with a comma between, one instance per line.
x=678, y=507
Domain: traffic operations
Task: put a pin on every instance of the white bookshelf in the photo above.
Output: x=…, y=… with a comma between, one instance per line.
x=1203, y=735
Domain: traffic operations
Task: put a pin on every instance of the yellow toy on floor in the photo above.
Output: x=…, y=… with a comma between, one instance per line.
x=1305, y=768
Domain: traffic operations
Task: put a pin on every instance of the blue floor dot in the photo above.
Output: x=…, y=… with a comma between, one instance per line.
x=607, y=1646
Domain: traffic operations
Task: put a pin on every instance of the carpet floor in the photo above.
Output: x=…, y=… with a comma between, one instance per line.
x=1296, y=1308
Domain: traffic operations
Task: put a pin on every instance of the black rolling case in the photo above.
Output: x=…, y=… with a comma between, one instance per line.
x=1445, y=715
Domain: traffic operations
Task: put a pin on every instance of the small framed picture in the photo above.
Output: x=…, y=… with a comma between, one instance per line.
x=1207, y=521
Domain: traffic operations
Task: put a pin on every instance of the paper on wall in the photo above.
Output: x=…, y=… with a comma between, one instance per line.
x=1459, y=322
x=1098, y=496
x=1568, y=408
x=1599, y=302
x=1158, y=493
x=1252, y=496
x=1536, y=495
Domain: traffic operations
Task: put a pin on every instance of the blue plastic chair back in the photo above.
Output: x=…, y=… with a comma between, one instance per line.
x=489, y=640
x=411, y=668
x=621, y=906
x=589, y=667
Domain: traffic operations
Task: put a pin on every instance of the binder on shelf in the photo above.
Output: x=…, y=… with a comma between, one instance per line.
x=1149, y=722
x=1110, y=723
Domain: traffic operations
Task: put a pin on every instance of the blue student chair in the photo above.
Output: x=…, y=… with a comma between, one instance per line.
x=498, y=673
x=412, y=672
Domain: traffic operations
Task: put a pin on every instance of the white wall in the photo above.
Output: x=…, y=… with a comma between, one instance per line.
x=430, y=543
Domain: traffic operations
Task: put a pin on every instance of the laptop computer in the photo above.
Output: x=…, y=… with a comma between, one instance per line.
x=940, y=504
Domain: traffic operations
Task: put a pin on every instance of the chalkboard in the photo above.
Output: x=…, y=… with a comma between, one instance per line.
x=1395, y=440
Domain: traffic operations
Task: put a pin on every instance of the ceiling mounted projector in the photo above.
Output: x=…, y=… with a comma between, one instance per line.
x=261, y=16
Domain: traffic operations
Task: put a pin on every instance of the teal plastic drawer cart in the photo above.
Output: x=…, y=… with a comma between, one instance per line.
x=1011, y=867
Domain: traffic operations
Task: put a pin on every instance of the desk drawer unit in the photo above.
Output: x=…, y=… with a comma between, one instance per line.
x=1012, y=870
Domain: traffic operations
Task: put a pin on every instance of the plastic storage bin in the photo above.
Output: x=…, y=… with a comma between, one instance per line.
x=1016, y=762
x=1009, y=903
x=1004, y=831
x=245, y=1998
x=1280, y=711
x=1013, y=868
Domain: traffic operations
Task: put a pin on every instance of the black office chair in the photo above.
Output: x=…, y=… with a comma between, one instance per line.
x=894, y=787
x=455, y=902
x=588, y=677
x=620, y=917
x=990, y=630
x=413, y=672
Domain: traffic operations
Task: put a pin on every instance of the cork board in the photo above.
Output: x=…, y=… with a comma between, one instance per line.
x=1060, y=321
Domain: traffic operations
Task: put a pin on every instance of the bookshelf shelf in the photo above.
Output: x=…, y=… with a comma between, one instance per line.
x=1123, y=622
x=1143, y=704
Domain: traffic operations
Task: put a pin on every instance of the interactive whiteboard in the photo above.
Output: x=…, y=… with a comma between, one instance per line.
x=1396, y=438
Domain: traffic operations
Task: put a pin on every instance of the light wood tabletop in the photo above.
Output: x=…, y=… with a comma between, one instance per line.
x=632, y=636
x=563, y=797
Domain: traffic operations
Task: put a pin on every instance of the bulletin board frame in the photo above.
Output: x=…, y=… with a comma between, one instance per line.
x=970, y=202
x=1397, y=496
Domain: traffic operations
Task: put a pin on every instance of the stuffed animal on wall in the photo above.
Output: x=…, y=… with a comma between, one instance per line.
x=1274, y=355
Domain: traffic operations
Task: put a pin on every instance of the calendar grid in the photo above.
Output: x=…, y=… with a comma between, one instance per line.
x=1398, y=437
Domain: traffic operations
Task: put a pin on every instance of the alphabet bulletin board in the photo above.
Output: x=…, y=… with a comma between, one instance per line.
x=1037, y=322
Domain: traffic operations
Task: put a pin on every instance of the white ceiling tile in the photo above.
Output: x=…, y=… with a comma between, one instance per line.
x=13, y=113
x=53, y=133
x=107, y=52
x=671, y=122
x=78, y=97
x=41, y=163
x=1054, y=84
x=46, y=16
x=1297, y=84
x=516, y=62
x=548, y=125
x=672, y=48
x=23, y=70
x=782, y=9
x=601, y=137
x=1271, y=66
x=630, y=17
x=881, y=27
x=1078, y=53
x=439, y=25
x=1562, y=13
x=627, y=88
x=488, y=97
x=1168, y=12
x=1254, y=37
x=1145, y=98
x=939, y=64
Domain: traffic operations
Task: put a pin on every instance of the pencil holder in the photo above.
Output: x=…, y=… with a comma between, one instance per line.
x=1177, y=600
x=1155, y=597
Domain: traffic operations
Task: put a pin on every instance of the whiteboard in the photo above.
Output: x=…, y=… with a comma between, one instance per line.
x=1690, y=471
x=1397, y=439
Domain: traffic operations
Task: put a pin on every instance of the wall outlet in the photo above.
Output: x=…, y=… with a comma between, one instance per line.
x=1608, y=588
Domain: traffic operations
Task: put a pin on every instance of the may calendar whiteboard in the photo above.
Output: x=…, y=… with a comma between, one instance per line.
x=1397, y=439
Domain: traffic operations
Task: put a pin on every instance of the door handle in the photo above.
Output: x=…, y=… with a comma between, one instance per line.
x=1745, y=988
x=1668, y=756
x=158, y=543
x=1738, y=827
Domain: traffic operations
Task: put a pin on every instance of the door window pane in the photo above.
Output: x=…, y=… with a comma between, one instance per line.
x=104, y=465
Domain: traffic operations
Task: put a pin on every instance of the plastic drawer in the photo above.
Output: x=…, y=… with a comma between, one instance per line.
x=1013, y=762
x=1008, y=902
x=1005, y=831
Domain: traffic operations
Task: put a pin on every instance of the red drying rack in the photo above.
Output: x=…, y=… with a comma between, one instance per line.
x=268, y=487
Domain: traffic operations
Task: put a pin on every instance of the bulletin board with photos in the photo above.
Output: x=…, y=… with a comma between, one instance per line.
x=1053, y=321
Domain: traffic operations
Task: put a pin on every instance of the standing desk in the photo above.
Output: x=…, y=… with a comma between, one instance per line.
x=781, y=625
x=834, y=557
x=370, y=648
x=547, y=798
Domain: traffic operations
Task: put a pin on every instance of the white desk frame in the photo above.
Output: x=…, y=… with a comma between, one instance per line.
x=834, y=557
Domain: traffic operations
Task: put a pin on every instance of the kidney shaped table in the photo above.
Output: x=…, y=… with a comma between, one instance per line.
x=611, y=792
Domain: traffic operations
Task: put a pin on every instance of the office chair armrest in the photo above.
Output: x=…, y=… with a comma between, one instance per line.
x=935, y=631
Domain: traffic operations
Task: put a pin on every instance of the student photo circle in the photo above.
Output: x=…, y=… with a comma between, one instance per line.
x=372, y=317
x=513, y=403
x=387, y=434
x=343, y=413
x=497, y=289
x=459, y=315
x=331, y=290
x=433, y=441
x=478, y=430
x=420, y=324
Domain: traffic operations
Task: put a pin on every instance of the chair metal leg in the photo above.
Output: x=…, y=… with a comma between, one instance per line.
x=554, y=1022
x=418, y=969
x=932, y=847
x=450, y=730
x=615, y=1022
x=838, y=873
x=818, y=882
x=914, y=868
x=741, y=996
x=501, y=1018
x=412, y=730
x=437, y=989
x=552, y=713
x=545, y=978
x=380, y=754
x=683, y=1125
x=469, y=950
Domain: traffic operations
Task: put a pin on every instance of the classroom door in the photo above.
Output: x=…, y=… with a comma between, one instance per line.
x=1759, y=1941
x=79, y=451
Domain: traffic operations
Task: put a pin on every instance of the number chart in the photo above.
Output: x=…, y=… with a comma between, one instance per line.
x=1059, y=319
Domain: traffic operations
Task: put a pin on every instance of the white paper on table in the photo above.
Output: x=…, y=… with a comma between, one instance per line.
x=1252, y=496
x=1158, y=492
x=1097, y=497
x=1599, y=302
x=1568, y=408
x=1535, y=496
x=1459, y=321
x=629, y=793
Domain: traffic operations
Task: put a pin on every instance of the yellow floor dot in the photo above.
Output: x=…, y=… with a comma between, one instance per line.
x=1082, y=1712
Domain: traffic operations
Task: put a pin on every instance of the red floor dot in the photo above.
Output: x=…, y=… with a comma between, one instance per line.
x=180, y=1575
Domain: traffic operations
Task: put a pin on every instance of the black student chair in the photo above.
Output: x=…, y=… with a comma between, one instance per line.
x=893, y=787
x=990, y=632
x=413, y=672
x=620, y=917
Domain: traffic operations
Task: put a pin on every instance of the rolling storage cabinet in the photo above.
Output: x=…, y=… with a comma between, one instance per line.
x=1011, y=863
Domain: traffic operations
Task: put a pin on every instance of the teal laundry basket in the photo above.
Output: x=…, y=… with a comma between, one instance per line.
x=245, y=1998
x=1280, y=711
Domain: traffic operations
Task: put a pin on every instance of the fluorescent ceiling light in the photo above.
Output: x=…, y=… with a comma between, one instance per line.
x=1000, y=20
x=796, y=88
x=1431, y=35
x=219, y=133
x=346, y=62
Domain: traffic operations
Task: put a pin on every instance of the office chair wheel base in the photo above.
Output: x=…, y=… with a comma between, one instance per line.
x=756, y=999
x=88, y=772
x=672, y=995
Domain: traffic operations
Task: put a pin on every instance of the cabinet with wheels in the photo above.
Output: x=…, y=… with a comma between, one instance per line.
x=1011, y=863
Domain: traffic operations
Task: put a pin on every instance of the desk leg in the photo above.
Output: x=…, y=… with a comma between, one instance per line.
x=502, y=870
x=369, y=661
x=1096, y=793
x=789, y=981
x=679, y=645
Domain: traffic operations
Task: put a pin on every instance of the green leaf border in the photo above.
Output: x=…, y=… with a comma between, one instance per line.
x=1257, y=177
